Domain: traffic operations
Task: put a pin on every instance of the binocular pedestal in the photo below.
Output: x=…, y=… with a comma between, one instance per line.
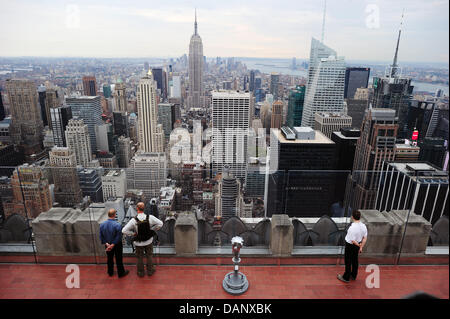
x=235, y=282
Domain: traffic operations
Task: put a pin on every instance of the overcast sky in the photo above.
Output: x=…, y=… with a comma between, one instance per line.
x=260, y=28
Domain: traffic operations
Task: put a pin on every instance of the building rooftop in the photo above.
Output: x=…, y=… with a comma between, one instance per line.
x=332, y=114
x=419, y=170
x=230, y=94
x=320, y=138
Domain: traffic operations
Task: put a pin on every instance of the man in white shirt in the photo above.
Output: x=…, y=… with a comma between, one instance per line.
x=143, y=228
x=354, y=242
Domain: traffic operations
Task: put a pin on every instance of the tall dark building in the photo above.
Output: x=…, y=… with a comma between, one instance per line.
x=2, y=108
x=90, y=184
x=300, y=182
x=9, y=159
x=356, y=110
x=393, y=91
x=375, y=146
x=60, y=117
x=346, y=140
x=418, y=187
x=159, y=77
x=420, y=114
x=295, y=106
x=433, y=150
x=274, y=80
x=120, y=121
x=176, y=112
x=89, y=86
x=252, y=81
x=42, y=96
x=355, y=78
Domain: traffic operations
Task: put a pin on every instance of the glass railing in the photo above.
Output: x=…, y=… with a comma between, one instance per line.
x=53, y=215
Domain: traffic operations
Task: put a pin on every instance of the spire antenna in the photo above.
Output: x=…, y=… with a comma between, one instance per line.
x=195, y=24
x=323, y=21
x=394, y=67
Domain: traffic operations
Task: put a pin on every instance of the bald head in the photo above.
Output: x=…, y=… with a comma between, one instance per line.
x=140, y=207
x=112, y=213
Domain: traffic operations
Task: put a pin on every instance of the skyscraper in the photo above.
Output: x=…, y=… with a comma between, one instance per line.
x=26, y=124
x=393, y=91
x=300, y=183
x=147, y=172
x=165, y=118
x=60, y=117
x=274, y=80
x=90, y=184
x=326, y=81
x=77, y=139
x=2, y=108
x=147, y=116
x=355, y=78
x=89, y=86
x=227, y=198
x=175, y=91
x=53, y=98
x=121, y=125
x=376, y=145
x=196, y=95
x=230, y=122
x=63, y=167
x=295, y=106
x=124, y=152
x=107, y=91
x=277, y=114
x=89, y=109
x=120, y=97
x=251, y=85
x=31, y=188
x=159, y=75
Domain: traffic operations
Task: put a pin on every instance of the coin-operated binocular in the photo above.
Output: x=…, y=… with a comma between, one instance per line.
x=235, y=282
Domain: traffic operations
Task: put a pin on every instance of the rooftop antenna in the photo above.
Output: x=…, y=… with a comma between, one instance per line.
x=323, y=21
x=195, y=24
x=394, y=66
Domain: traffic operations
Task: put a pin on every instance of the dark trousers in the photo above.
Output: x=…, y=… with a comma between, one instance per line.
x=351, y=261
x=148, y=252
x=117, y=252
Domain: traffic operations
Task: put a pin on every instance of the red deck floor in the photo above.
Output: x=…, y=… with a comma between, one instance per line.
x=205, y=282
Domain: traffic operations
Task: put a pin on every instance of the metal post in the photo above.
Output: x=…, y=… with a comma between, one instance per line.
x=235, y=282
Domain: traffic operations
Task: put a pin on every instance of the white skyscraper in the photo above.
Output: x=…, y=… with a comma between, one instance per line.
x=78, y=140
x=175, y=90
x=147, y=115
x=326, y=82
x=147, y=172
x=230, y=121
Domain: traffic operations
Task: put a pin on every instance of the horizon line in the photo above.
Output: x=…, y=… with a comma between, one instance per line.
x=211, y=57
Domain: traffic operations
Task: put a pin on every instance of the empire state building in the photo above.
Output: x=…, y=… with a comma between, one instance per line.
x=196, y=96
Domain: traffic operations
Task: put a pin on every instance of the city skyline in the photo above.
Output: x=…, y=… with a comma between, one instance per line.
x=248, y=30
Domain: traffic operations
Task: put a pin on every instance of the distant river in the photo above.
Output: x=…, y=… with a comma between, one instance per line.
x=266, y=65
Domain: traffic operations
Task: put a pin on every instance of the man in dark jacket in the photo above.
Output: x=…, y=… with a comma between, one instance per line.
x=111, y=237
